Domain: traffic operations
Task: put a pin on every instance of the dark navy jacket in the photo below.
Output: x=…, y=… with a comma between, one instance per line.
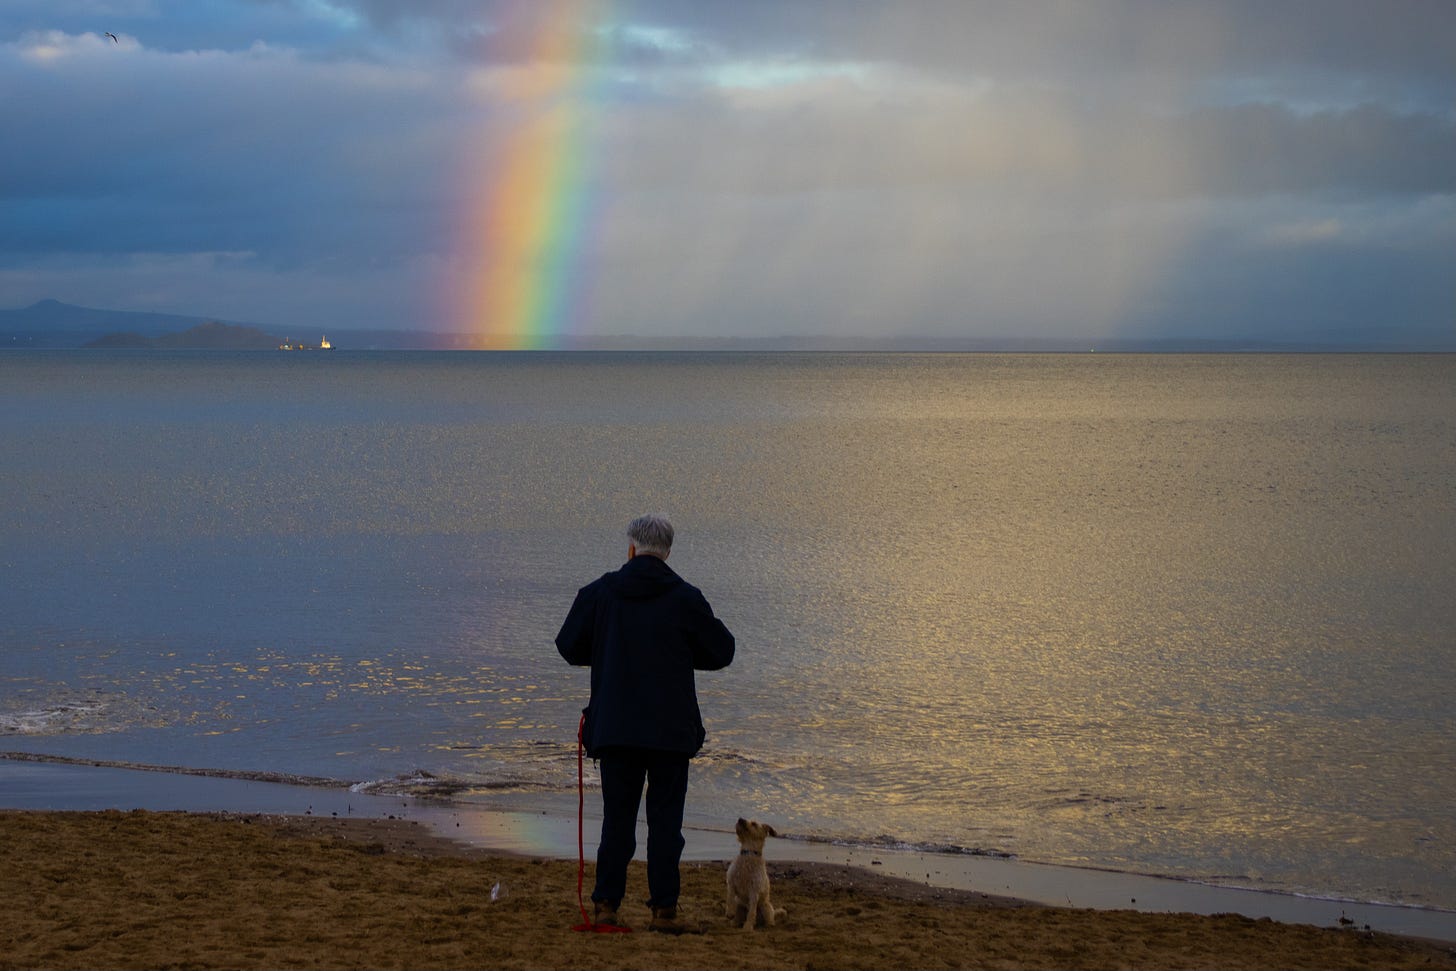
x=644, y=630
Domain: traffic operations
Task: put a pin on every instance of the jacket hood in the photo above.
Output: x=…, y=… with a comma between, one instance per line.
x=642, y=578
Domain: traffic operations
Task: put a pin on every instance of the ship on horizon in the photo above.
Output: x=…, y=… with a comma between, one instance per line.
x=292, y=345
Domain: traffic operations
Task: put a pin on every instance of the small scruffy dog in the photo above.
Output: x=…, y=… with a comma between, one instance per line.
x=748, y=878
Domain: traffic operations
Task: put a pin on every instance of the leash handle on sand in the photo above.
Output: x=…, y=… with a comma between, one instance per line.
x=586, y=922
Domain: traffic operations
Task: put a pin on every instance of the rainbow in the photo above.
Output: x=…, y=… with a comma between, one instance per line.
x=526, y=232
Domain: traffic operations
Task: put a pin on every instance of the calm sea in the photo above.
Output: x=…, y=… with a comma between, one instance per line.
x=1185, y=615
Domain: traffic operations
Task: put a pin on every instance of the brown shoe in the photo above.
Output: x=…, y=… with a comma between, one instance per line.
x=605, y=912
x=665, y=921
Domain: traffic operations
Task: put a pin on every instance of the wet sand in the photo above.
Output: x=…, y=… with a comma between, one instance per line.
x=216, y=890
x=539, y=827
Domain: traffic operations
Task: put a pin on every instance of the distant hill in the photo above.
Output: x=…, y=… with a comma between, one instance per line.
x=211, y=334
x=52, y=324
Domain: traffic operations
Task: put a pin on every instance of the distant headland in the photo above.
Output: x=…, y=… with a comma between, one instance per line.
x=53, y=324
x=210, y=335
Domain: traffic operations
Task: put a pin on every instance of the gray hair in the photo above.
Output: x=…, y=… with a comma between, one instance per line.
x=651, y=534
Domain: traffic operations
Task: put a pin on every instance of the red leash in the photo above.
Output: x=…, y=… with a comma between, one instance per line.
x=586, y=922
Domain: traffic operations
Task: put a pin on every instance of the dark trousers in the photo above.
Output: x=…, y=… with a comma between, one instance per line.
x=624, y=770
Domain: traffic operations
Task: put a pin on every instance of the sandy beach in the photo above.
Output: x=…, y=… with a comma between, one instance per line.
x=193, y=890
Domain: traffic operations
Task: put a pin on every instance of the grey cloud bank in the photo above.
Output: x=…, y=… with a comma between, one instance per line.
x=954, y=170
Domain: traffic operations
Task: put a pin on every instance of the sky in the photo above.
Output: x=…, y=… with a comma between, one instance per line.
x=536, y=173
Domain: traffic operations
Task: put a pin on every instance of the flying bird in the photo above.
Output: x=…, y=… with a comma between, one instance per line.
x=113, y=37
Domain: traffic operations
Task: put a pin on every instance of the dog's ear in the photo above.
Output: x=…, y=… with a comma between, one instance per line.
x=773, y=832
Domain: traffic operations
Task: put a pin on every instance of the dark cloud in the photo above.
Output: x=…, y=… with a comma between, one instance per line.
x=265, y=152
x=1256, y=149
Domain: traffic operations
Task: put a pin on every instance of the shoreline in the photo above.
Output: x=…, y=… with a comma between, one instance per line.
x=141, y=889
x=62, y=784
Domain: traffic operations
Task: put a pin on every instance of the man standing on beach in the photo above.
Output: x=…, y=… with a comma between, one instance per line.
x=644, y=631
